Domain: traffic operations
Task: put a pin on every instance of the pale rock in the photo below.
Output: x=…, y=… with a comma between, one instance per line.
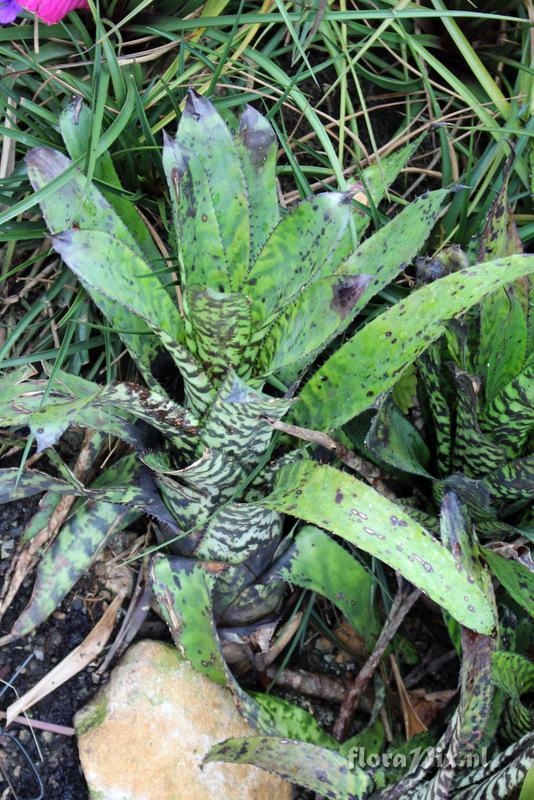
x=145, y=734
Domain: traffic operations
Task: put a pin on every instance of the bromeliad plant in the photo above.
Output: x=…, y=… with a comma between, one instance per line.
x=261, y=293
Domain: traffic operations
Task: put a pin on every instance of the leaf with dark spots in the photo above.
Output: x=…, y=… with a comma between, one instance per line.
x=182, y=588
x=500, y=236
x=347, y=292
x=368, y=364
x=474, y=709
x=319, y=769
x=213, y=216
x=307, y=491
x=296, y=252
x=256, y=147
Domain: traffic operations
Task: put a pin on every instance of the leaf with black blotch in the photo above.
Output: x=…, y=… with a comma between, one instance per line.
x=369, y=363
x=255, y=143
x=297, y=252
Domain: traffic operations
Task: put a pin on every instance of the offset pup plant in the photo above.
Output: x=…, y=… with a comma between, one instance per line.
x=261, y=294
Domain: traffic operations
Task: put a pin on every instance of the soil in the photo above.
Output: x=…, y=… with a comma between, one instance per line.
x=55, y=756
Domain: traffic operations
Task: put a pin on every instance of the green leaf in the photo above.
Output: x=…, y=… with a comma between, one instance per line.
x=297, y=251
x=213, y=219
x=514, y=675
x=244, y=537
x=352, y=510
x=182, y=588
x=293, y=722
x=220, y=330
x=395, y=441
x=82, y=206
x=512, y=481
x=503, y=341
x=305, y=326
x=256, y=148
x=431, y=371
x=509, y=417
x=75, y=126
x=81, y=538
x=317, y=768
x=376, y=180
x=300, y=332
x=476, y=691
x=104, y=262
x=405, y=390
x=236, y=423
x=515, y=577
x=370, y=363
x=314, y=561
x=475, y=453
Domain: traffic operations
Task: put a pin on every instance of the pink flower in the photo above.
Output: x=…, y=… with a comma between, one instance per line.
x=51, y=11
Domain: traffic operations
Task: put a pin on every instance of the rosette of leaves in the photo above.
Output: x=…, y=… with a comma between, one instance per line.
x=476, y=389
x=262, y=292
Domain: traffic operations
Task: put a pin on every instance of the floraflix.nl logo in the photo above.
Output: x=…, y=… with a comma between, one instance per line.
x=419, y=756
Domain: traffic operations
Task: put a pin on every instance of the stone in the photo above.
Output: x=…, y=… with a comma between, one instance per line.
x=145, y=734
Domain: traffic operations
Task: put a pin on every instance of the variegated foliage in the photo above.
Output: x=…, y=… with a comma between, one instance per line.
x=262, y=291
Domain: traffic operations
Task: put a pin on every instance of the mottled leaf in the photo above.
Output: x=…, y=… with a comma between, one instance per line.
x=256, y=147
x=515, y=577
x=503, y=341
x=107, y=264
x=213, y=220
x=514, y=675
x=75, y=123
x=236, y=425
x=509, y=417
x=395, y=441
x=220, y=330
x=293, y=722
x=80, y=539
x=512, y=481
x=431, y=372
x=371, y=361
x=476, y=690
x=355, y=512
x=475, y=454
x=81, y=207
x=314, y=561
x=296, y=252
x=317, y=768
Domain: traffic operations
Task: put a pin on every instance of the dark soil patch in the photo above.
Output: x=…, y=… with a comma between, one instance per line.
x=55, y=756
